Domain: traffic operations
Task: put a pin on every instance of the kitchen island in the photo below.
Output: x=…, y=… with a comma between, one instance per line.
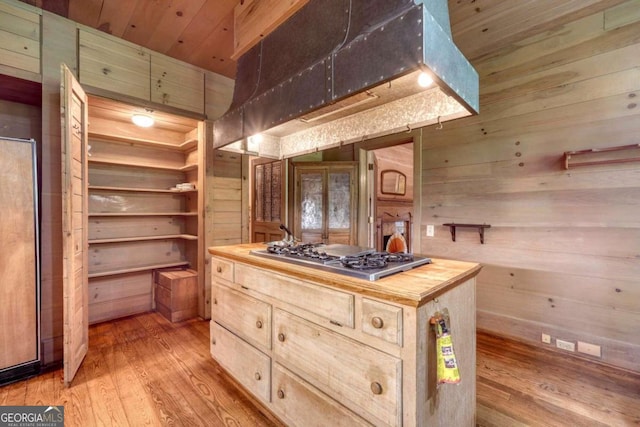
x=321, y=348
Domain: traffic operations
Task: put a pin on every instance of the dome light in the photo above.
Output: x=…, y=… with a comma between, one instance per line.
x=142, y=120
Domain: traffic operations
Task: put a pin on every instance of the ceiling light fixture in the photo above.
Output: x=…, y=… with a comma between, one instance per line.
x=142, y=120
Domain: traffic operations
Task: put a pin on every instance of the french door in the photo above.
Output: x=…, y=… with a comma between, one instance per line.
x=325, y=202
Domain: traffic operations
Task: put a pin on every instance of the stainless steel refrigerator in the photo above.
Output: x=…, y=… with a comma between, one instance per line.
x=19, y=261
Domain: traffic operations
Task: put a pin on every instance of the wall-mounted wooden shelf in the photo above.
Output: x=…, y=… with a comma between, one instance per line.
x=602, y=156
x=480, y=227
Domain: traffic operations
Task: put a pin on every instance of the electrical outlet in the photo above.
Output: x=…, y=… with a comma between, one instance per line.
x=590, y=349
x=565, y=345
x=430, y=230
x=546, y=338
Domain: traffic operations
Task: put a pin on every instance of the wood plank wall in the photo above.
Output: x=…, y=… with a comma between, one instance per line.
x=223, y=206
x=55, y=50
x=562, y=254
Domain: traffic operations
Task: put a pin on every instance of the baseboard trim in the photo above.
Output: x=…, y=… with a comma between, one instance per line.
x=618, y=354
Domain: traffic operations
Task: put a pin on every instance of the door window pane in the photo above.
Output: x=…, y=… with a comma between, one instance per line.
x=311, y=201
x=268, y=197
x=339, y=200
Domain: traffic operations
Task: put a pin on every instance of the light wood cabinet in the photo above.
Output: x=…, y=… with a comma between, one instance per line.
x=362, y=378
x=177, y=84
x=111, y=64
x=249, y=366
x=299, y=403
x=246, y=316
x=115, y=65
x=344, y=351
x=139, y=221
x=20, y=41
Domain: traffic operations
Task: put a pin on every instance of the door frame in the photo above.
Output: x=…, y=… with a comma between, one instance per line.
x=368, y=185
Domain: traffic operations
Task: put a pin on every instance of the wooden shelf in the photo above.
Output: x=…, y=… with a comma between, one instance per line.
x=184, y=168
x=136, y=269
x=602, y=156
x=137, y=214
x=185, y=146
x=139, y=190
x=480, y=227
x=189, y=144
x=143, y=238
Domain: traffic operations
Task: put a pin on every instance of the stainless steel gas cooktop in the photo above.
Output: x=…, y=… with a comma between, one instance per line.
x=354, y=261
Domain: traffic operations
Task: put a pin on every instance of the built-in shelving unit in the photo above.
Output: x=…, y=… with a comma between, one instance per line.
x=139, y=220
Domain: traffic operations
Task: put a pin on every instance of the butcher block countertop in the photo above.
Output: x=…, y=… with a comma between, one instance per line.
x=414, y=287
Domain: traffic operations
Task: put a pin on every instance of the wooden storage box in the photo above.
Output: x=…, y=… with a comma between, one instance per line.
x=177, y=294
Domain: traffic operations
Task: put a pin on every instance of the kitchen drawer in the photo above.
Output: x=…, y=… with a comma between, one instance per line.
x=364, y=379
x=382, y=320
x=246, y=316
x=221, y=269
x=298, y=403
x=247, y=365
x=336, y=306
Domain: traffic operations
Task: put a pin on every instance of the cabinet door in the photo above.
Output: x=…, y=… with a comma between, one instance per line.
x=298, y=403
x=246, y=316
x=246, y=364
x=20, y=46
x=362, y=378
x=74, y=224
x=116, y=66
x=177, y=84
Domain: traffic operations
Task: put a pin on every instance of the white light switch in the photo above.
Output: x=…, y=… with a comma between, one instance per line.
x=430, y=230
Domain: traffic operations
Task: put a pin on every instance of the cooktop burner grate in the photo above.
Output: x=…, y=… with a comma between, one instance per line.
x=359, y=262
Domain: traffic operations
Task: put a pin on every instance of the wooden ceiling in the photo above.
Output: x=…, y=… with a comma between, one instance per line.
x=201, y=32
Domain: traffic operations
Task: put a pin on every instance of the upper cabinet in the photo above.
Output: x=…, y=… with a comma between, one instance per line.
x=115, y=65
x=20, y=41
x=176, y=83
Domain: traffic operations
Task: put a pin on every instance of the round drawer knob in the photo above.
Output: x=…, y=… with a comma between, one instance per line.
x=257, y=376
x=281, y=337
x=377, y=322
x=376, y=388
x=259, y=324
x=219, y=269
x=281, y=394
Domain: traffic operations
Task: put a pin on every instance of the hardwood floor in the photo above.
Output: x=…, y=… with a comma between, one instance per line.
x=521, y=385
x=144, y=370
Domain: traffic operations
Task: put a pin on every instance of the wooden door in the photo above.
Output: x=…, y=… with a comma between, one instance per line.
x=73, y=102
x=325, y=208
x=268, y=201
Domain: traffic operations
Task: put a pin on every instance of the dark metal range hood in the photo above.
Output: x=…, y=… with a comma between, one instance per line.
x=341, y=71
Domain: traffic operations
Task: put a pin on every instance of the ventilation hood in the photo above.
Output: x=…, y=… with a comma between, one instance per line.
x=342, y=71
